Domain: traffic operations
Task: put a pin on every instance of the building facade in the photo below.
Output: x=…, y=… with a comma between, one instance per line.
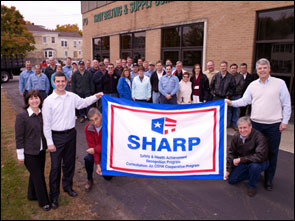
x=193, y=32
x=54, y=44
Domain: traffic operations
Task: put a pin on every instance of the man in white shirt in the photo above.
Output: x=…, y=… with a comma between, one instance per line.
x=59, y=129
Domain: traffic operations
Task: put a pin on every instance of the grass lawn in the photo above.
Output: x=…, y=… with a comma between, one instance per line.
x=14, y=182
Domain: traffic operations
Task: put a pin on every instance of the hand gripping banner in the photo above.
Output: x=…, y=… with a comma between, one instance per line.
x=167, y=141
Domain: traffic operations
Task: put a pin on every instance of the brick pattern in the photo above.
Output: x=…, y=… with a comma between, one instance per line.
x=230, y=27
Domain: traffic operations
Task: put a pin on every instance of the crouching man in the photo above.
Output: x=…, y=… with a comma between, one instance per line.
x=93, y=132
x=247, y=156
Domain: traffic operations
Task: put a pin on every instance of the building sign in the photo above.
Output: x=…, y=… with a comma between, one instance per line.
x=170, y=141
x=125, y=9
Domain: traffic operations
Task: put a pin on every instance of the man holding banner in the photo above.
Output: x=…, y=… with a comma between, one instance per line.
x=271, y=111
x=247, y=155
x=93, y=134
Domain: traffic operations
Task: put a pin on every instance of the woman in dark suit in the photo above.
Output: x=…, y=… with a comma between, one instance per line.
x=200, y=85
x=31, y=146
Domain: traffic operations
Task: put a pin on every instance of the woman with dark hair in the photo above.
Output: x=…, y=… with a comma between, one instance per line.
x=31, y=147
x=125, y=84
x=200, y=85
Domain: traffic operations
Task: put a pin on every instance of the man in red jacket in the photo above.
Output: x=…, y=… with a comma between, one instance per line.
x=93, y=132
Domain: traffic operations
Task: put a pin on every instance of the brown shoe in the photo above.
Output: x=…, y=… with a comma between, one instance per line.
x=88, y=185
x=251, y=192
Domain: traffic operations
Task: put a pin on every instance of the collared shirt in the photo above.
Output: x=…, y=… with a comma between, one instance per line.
x=98, y=129
x=59, y=112
x=133, y=75
x=243, y=139
x=284, y=98
x=36, y=82
x=168, y=85
x=20, y=152
x=67, y=70
x=159, y=74
x=24, y=76
x=141, y=89
x=148, y=73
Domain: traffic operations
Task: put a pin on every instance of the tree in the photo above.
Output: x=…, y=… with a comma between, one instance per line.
x=15, y=38
x=69, y=28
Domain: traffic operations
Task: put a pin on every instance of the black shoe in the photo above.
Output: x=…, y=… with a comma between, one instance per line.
x=268, y=185
x=54, y=204
x=71, y=192
x=46, y=207
x=108, y=178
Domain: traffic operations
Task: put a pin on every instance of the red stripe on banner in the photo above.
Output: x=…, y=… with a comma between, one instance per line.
x=154, y=112
x=170, y=120
x=170, y=125
x=214, y=140
x=112, y=135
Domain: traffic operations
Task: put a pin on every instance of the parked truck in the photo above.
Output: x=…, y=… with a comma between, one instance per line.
x=11, y=64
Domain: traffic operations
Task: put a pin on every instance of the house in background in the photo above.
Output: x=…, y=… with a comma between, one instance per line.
x=57, y=44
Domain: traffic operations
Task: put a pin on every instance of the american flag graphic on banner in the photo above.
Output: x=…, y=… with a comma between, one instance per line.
x=164, y=125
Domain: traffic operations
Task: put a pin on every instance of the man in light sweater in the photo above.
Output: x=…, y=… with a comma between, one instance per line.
x=271, y=111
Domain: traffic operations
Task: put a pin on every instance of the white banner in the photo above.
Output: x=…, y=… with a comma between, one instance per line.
x=141, y=139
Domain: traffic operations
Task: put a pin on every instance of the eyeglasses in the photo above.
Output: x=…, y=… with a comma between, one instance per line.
x=185, y=76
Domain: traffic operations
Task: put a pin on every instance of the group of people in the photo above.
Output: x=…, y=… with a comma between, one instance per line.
x=145, y=82
x=254, y=147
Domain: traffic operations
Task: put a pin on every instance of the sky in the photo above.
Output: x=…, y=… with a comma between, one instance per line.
x=49, y=13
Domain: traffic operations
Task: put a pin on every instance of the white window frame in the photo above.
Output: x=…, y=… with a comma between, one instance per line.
x=53, y=40
x=44, y=38
x=75, y=43
x=48, y=53
x=64, y=43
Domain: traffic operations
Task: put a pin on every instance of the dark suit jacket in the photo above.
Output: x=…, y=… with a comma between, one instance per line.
x=28, y=133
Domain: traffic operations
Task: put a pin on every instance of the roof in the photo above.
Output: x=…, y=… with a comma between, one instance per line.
x=37, y=28
x=69, y=34
x=40, y=28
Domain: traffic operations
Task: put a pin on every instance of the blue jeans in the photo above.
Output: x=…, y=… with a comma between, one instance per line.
x=250, y=172
x=83, y=112
x=156, y=97
x=273, y=135
x=235, y=111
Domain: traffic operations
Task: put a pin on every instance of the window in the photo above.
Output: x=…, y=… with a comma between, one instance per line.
x=75, y=44
x=64, y=43
x=44, y=39
x=52, y=40
x=79, y=42
x=80, y=53
x=66, y=53
x=275, y=41
x=75, y=54
x=133, y=45
x=48, y=53
x=101, y=48
x=183, y=43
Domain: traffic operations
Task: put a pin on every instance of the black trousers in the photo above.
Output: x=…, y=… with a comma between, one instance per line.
x=37, y=185
x=64, y=157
